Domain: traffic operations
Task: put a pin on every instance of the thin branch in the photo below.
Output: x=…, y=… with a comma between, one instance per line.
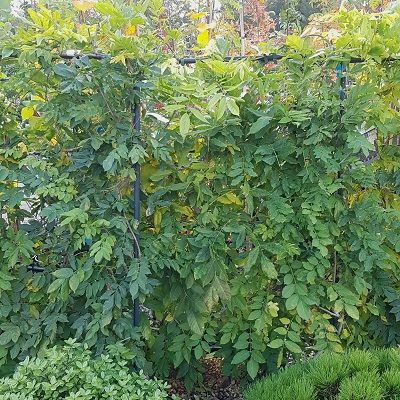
x=134, y=237
x=332, y=313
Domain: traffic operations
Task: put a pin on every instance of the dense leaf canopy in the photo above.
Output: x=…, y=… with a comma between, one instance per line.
x=269, y=222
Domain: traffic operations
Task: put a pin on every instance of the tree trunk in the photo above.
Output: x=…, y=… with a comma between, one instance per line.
x=211, y=8
x=242, y=32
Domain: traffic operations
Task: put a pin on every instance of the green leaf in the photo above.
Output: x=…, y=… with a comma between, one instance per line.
x=294, y=337
x=292, y=301
x=76, y=214
x=3, y=173
x=242, y=341
x=195, y=322
x=55, y=285
x=198, y=352
x=232, y=106
x=255, y=314
x=63, y=273
x=5, y=285
x=201, y=115
x=352, y=311
x=221, y=108
x=281, y=330
x=134, y=289
x=103, y=248
x=292, y=347
x=303, y=310
x=109, y=160
x=288, y=290
x=203, y=255
x=96, y=143
x=106, y=8
x=252, y=258
x=74, y=282
x=11, y=333
x=6, y=52
x=252, y=368
x=358, y=142
x=225, y=338
x=240, y=357
x=268, y=268
x=64, y=70
x=6, y=337
x=184, y=124
x=261, y=123
x=276, y=343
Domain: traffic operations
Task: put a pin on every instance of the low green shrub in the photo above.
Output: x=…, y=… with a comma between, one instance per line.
x=355, y=375
x=71, y=372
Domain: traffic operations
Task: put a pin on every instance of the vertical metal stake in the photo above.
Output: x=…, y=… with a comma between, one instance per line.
x=343, y=81
x=136, y=203
x=341, y=74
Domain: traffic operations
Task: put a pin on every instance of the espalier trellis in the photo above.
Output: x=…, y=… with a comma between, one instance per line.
x=262, y=229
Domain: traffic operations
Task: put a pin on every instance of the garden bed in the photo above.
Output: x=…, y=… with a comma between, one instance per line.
x=216, y=386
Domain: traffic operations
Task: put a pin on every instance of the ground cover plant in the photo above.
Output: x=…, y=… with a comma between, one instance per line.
x=71, y=372
x=269, y=220
x=354, y=375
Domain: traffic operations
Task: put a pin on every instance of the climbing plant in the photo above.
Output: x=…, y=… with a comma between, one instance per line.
x=275, y=222
x=66, y=168
x=269, y=221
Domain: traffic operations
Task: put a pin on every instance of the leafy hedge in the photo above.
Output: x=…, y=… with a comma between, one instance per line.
x=70, y=372
x=269, y=222
x=356, y=375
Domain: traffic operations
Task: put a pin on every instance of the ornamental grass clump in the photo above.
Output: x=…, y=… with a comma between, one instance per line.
x=71, y=372
x=355, y=375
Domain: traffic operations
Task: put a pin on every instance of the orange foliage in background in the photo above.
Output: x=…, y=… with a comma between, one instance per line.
x=258, y=22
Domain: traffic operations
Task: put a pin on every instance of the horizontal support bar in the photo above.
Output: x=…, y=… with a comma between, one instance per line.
x=262, y=58
x=69, y=55
x=265, y=58
x=269, y=58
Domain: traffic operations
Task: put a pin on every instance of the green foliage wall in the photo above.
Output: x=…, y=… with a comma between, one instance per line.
x=255, y=195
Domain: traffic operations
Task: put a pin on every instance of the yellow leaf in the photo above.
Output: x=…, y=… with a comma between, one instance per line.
x=27, y=112
x=130, y=30
x=157, y=220
x=197, y=15
x=83, y=5
x=37, y=98
x=273, y=308
x=22, y=146
x=336, y=347
x=202, y=27
x=119, y=58
x=203, y=38
x=33, y=312
x=294, y=42
x=169, y=318
x=185, y=210
x=229, y=198
x=53, y=141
